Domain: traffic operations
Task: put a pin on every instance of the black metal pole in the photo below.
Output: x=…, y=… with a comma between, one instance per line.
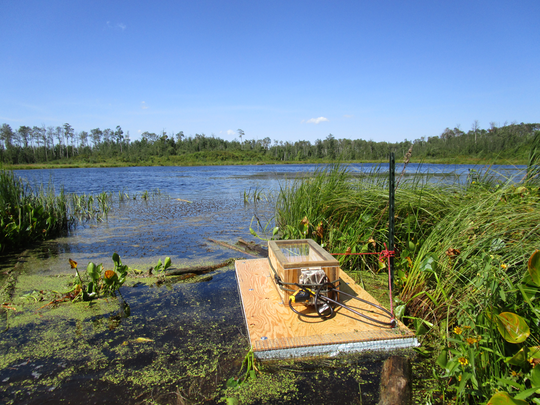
x=391, y=189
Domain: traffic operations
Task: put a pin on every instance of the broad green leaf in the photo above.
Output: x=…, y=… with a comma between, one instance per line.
x=442, y=360
x=513, y=328
x=85, y=296
x=399, y=311
x=464, y=380
x=520, y=358
x=428, y=264
x=422, y=351
x=510, y=383
x=93, y=271
x=231, y=383
x=534, y=352
x=534, y=267
x=524, y=394
x=535, y=376
x=116, y=258
x=502, y=398
x=528, y=291
x=275, y=231
x=167, y=263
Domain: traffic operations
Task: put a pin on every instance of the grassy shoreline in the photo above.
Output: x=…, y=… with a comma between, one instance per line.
x=77, y=164
x=466, y=261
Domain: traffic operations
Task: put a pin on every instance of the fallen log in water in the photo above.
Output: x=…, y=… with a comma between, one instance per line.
x=197, y=269
x=229, y=246
x=261, y=251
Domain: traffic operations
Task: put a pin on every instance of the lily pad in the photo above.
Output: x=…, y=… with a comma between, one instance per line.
x=512, y=327
x=520, y=358
x=534, y=267
x=502, y=398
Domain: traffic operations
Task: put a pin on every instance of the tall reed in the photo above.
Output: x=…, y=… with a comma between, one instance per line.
x=28, y=215
x=461, y=250
x=31, y=214
x=343, y=211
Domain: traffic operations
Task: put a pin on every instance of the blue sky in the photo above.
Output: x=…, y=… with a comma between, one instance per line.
x=288, y=70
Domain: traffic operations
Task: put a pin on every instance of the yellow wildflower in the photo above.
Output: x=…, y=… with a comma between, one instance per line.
x=457, y=330
x=463, y=361
x=504, y=266
x=459, y=378
x=472, y=340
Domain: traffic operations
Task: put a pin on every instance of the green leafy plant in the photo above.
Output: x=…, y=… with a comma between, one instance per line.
x=99, y=281
x=494, y=352
x=161, y=267
x=247, y=372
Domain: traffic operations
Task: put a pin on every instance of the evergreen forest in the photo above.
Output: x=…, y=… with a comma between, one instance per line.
x=63, y=145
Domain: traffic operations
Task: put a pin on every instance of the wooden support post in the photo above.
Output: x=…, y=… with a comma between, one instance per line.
x=396, y=383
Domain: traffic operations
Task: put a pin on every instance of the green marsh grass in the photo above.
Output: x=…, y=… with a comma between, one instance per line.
x=254, y=195
x=29, y=214
x=461, y=253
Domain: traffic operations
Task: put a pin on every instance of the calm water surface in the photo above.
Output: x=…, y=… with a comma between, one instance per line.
x=141, y=231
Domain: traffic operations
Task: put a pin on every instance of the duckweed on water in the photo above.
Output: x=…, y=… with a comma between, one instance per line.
x=186, y=341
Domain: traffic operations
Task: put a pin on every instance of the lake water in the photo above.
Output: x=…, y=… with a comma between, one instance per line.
x=141, y=231
x=196, y=330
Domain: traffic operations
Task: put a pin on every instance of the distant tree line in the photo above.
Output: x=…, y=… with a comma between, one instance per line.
x=27, y=145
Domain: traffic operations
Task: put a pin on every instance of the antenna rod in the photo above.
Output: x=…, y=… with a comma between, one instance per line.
x=391, y=206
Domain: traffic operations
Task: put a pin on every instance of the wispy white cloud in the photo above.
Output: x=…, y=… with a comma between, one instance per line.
x=230, y=132
x=143, y=105
x=347, y=116
x=116, y=26
x=316, y=120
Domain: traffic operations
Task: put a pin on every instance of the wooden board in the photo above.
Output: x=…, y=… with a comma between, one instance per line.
x=277, y=332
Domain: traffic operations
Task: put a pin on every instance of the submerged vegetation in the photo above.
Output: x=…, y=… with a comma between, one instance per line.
x=463, y=267
x=30, y=214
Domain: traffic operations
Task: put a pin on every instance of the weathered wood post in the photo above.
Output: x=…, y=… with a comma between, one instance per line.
x=396, y=384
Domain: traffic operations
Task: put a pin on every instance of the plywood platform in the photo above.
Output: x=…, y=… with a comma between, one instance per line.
x=276, y=332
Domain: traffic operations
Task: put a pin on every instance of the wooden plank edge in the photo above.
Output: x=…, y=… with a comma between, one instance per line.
x=334, y=350
x=330, y=339
x=242, y=302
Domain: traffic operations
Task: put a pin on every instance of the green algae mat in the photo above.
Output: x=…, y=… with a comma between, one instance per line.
x=158, y=341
